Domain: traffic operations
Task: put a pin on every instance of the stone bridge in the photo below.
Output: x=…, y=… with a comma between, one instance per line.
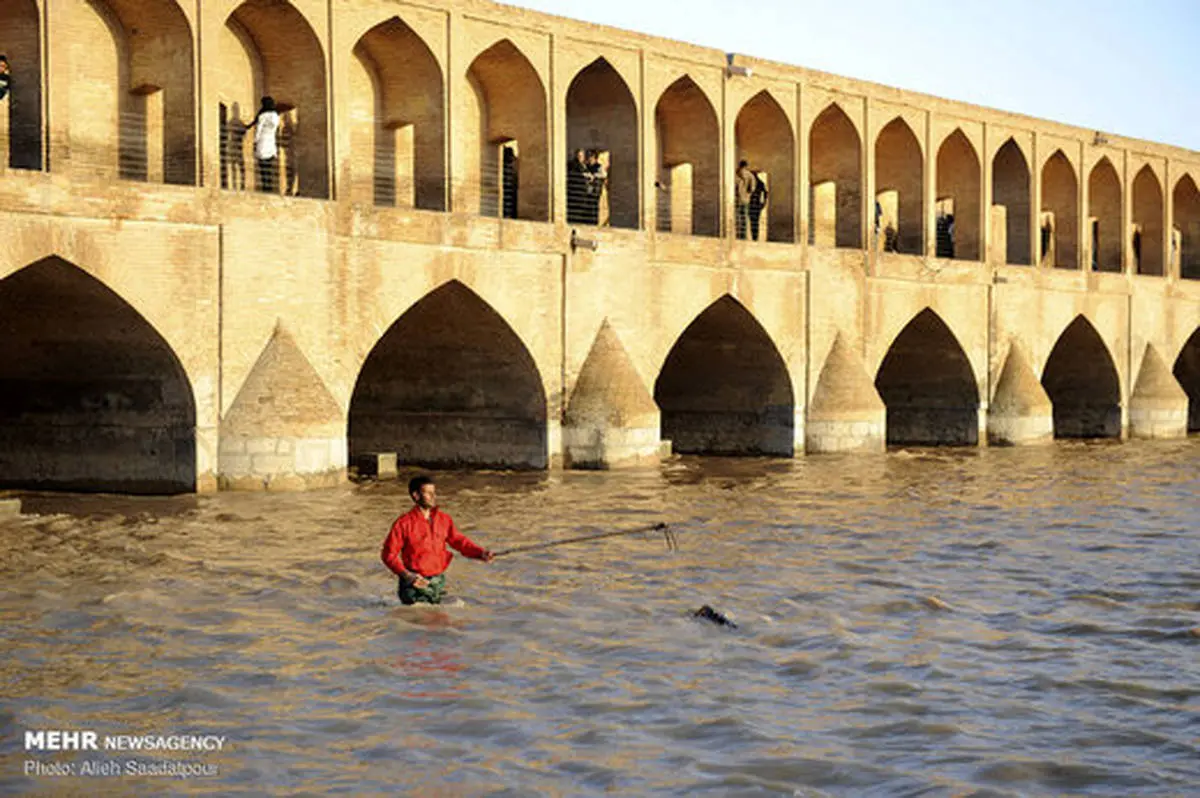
x=431, y=276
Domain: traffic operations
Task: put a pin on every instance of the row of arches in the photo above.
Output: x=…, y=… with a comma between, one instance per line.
x=132, y=113
x=94, y=398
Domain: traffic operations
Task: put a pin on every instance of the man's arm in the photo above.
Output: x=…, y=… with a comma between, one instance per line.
x=464, y=545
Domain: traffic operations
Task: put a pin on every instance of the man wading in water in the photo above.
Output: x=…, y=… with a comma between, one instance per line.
x=415, y=549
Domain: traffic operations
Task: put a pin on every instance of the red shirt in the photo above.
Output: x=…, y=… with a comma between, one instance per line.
x=419, y=546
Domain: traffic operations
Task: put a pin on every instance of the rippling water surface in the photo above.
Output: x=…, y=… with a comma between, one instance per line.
x=984, y=622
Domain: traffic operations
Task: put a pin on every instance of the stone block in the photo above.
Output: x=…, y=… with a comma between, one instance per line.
x=377, y=465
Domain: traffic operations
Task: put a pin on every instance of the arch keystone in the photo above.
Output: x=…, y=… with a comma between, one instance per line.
x=611, y=419
x=846, y=413
x=1021, y=411
x=284, y=430
x=1158, y=407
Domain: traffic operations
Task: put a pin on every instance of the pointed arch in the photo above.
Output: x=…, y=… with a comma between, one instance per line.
x=398, y=125
x=503, y=145
x=1187, y=372
x=1186, y=228
x=21, y=29
x=927, y=384
x=130, y=99
x=92, y=397
x=958, y=193
x=1105, y=213
x=764, y=138
x=1083, y=384
x=483, y=404
x=1148, y=222
x=689, y=160
x=1010, y=189
x=602, y=115
x=899, y=172
x=267, y=48
x=835, y=174
x=724, y=388
x=1060, y=199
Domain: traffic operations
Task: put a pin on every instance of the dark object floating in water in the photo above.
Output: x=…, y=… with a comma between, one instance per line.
x=709, y=614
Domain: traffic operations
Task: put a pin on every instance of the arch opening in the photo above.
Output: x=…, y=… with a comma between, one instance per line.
x=958, y=194
x=92, y=398
x=131, y=94
x=1060, y=219
x=397, y=116
x=503, y=144
x=450, y=384
x=1185, y=235
x=267, y=48
x=765, y=140
x=899, y=173
x=1104, y=200
x=1147, y=223
x=689, y=161
x=1010, y=191
x=1187, y=372
x=21, y=41
x=1083, y=385
x=724, y=389
x=927, y=384
x=602, y=116
x=835, y=187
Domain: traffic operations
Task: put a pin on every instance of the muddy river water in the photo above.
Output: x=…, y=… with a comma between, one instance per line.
x=941, y=622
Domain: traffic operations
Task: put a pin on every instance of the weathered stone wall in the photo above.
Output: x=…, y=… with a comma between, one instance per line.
x=385, y=305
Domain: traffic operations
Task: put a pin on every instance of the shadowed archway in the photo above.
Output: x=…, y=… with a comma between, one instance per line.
x=958, y=187
x=1082, y=382
x=1104, y=201
x=689, y=161
x=1060, y=199
x=764, y=138
x=725, y=389
x=928, y=387
x=1186, y=242
x=397, y=133
x=602, y=115
x=92, y=398
x=1187, y=371
x=21, y=41
x=450, y=384
x=1010, y=189
x=899, y=169
x=835, y=181
x=1147, y=223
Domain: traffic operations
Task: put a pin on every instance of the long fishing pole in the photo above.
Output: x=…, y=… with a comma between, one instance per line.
x=672, y=543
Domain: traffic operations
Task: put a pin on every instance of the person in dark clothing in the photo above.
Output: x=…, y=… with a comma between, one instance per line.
x=5, y=77
x=577, y=188
x=758, y=201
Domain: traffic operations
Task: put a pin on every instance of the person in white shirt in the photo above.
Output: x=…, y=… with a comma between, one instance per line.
x=266, y=145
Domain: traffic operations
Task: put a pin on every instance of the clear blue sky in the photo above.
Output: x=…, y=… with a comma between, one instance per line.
x=1130, y=67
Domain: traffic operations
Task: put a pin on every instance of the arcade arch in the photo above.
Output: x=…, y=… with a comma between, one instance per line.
x=398, y=125
x=602, y=115
x=1147, y=223
x=958, y=193
x=21, y=41
x=764, y=138
x=725, y=389
x=1060, y=217
x=899, y=175
x=1186, y=232
x=267, y=48
x=835, y=174
x=1083, y=385
x=1105, y=203
x=504, y=136
x=482, y=405
x=689, y=161
x=1010, y=189
x=92, y=397
x=927, y=384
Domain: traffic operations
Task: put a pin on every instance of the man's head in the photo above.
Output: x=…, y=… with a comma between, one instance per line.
x=268, y=103
x=3, y=63
x=423, y=492
x=579, y=156
x=743, y=164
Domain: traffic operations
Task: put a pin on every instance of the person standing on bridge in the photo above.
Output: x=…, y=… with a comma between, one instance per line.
x=415, y=548
x=266, y=145
x=5, y=77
